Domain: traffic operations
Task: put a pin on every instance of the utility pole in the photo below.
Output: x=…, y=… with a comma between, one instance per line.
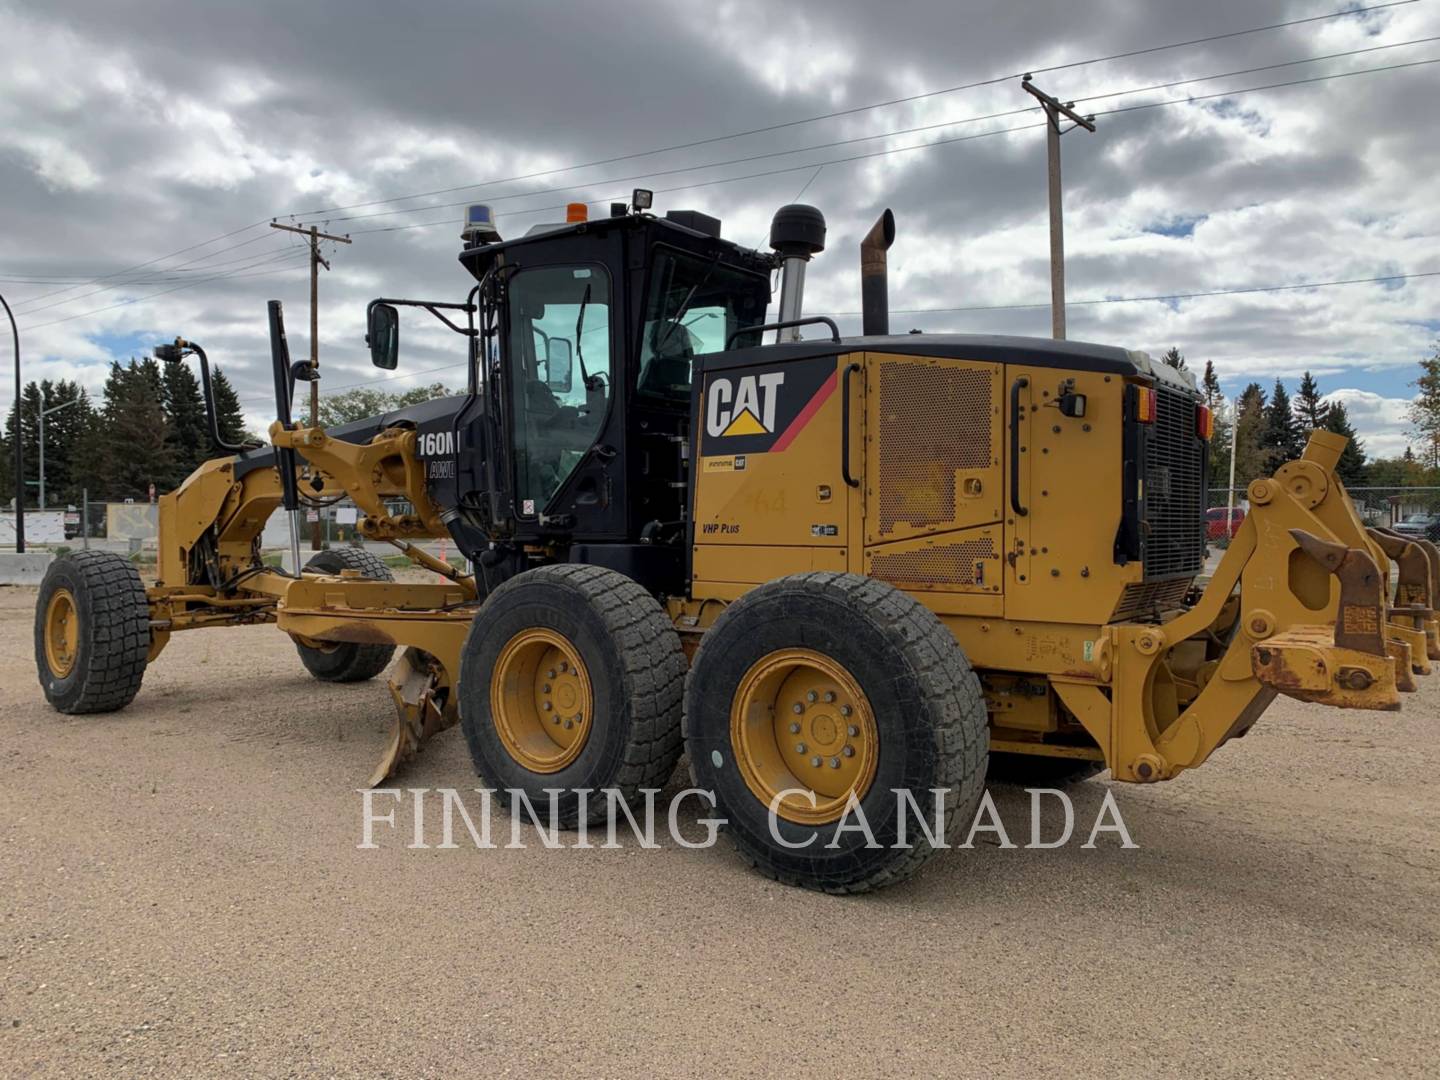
x=19, y=441
x=316, y=261
x=44, y=412
x=1054, y=110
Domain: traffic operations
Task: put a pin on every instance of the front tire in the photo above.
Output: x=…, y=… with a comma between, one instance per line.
x=572, y=678
x=92, y=632
x=839, y=687
x=344, y=662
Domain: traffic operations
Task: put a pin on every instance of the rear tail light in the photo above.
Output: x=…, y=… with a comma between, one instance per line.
x=1204, y=422
x=1145, y=405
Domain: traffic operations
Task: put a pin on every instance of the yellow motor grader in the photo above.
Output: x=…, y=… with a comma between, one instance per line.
x=830, y=568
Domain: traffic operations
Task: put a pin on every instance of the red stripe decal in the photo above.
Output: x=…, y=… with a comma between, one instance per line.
x=811, y=408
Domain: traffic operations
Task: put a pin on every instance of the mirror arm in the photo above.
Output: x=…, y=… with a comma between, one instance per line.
x=433, y=307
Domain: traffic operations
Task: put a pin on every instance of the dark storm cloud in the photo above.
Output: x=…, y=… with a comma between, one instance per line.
x=131, y=129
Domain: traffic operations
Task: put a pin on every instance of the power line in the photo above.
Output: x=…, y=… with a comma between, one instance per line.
x=1146, y=299
x=983, y=307
x=894, y=132
x=833, y=161
x=994, y=80
x=158, y=258
x=248, y=261
x=737, y=135
x=162, y=292
x=914, y=146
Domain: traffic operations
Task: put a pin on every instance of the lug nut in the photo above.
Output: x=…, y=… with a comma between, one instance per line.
x=829, y=696
x=844, y=710
x=569, y=724
x=812, y=696
x=547, y=706
x=545, y=689
x=550, y=674
x=794, y=728
x=834, y=763
x=797, y=708
x=564, y=665
x=852, y=731
x=849, y=751
x=815, y=761
x=799, y=748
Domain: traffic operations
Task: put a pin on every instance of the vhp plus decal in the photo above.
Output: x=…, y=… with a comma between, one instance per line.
x=761, y=410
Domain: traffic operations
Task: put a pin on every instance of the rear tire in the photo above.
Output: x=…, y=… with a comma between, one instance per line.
x=92, y=632
x=347, y=662
x=600, y=652
x=884, y=699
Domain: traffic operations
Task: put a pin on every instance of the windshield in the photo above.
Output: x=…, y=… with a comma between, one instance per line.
x=693, y=307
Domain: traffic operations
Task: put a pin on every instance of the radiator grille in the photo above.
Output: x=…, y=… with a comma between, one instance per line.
x=947, y=564
x=934, y=420
x=1150, y=598
x=1174, y=518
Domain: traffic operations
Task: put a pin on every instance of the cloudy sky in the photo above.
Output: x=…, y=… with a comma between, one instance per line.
x=135, y=135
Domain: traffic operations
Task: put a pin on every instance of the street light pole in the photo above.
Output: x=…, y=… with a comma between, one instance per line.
x=44, y=412
x=19, y=441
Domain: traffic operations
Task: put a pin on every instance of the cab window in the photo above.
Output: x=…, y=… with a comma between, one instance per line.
x=693, y=307
x=560, y=374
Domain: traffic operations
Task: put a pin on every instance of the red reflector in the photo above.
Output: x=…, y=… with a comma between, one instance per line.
x=1204, y=421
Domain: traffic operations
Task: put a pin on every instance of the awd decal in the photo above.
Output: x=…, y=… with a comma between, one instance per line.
x=749, y=411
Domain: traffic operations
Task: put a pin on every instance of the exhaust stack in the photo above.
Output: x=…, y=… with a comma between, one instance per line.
x=797, y=232
x=874, y=286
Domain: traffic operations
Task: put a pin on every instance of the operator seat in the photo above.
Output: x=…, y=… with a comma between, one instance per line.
x=673, y=350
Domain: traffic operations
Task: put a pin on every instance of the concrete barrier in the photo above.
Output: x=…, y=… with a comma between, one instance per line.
x=27, y=568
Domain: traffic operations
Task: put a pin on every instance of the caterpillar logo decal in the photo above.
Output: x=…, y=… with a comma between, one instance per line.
x=758, y=411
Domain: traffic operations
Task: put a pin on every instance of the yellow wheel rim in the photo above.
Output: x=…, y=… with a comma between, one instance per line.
x=800, y=721
x=541, y=701
x=62, y=633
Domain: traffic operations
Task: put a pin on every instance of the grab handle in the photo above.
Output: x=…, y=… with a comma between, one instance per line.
x=1015, y=415
x=845, y=426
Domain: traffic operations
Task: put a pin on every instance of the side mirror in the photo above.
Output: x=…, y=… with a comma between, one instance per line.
x=382, y=334
x=559, y=365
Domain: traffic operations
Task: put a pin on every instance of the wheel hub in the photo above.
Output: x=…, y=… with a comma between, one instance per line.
x=541, y=700
x=800, y=721
x=62, y=632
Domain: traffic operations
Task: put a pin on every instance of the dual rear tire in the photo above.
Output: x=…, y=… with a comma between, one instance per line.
x=811, y=702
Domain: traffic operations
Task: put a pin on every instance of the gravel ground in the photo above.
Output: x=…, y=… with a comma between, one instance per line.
x=183, y=895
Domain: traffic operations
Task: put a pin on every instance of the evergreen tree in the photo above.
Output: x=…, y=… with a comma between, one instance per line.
x=1282, y=440
x=1351, y=467
x=229, y=416
x=1250, y=455
x=1310, y=408
x=1424, y=412
x=135, y=447
x=189, y=430
x=1175, y=358
x=1210, y=386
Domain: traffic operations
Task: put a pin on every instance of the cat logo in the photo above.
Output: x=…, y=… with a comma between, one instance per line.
x=746, y=407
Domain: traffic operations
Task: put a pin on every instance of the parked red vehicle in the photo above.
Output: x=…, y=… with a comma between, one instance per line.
x=1215, y=523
